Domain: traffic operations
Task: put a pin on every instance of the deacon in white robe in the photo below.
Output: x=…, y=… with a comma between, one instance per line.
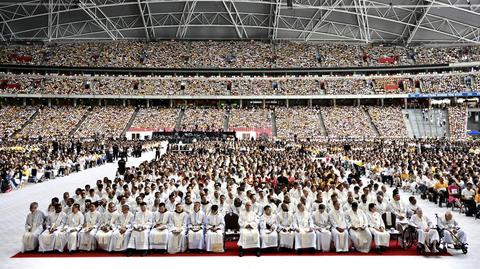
x=268, y=228
x=249, y=234
x=122, y=230
x=106, y=226
x=286, y=231
x=215, y=226
x=339, y=228
x=427, y=235
x=358, y=229
x=142, y=223
x=33, y=228
x=177, y=225
x=196, y=225
x=159, y=233
x=55, y=223
x=377, y=228
x=303, y=225
x=86, y=237
x=68, y=236
x=322, y=228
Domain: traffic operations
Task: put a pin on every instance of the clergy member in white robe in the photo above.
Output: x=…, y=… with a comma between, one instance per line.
x=322, y=228
x=268, y=228
x=215, y=227
x=303, y=225
x=86, y=237
x=427, y=235
x=286, y=231
x=122, y=230
x=106, y=227
x=33, y=228
x=452, y=234
x=54, y=224
x=196, y=225
x=69, y=234
x=177, y=238
x=377, y=228
x=159, y=233
x=358, y=229
x=339, y=228
x=142, y=223
x=249, y=234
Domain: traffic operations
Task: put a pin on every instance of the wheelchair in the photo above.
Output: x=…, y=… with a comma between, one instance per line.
x=410, y=239
x=457, y=245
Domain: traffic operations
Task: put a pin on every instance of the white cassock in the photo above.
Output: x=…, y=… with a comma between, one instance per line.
x=375, y=222
x=107, y=223
x=304, y=236
x=268, y=231
x=340, y=239
x=120, y=241
x=449, y=227
x=249, y=238
x=361, y=238
x=287, y=237
x=142, y=222
x=322, y=229
x=55, y=222
x=196, y=233
x=68, y=236
x=398, y=208
x=422, y=224
x=33, y=229
x=177, y=237
x=86, y=237
x=214, y=239
x=159, y=233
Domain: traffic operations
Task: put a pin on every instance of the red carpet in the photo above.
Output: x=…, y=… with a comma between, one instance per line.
x=231, y=250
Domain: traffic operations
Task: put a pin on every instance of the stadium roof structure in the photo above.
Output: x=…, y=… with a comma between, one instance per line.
x=361, y=21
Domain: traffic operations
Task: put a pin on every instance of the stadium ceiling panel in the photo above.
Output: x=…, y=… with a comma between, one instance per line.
x=362, y=21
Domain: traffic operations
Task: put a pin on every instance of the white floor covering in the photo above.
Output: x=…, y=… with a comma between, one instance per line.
x=14, y=207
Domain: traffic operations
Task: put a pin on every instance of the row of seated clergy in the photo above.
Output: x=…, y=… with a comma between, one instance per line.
x=175, y=231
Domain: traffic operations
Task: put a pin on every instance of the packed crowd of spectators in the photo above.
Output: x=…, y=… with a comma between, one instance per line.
x=108, y=121
x=299, y=122
x=12, y=118
x=250, y=118
x=390, y=121
x=347, y=121
x=457, y=118
x=156, y=118
x=203, y=119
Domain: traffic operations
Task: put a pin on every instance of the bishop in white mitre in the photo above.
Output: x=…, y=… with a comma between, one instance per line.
x=33, y=228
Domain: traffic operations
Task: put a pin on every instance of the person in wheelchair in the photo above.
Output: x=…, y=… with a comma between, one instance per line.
x=428, y=237
x=452, y=234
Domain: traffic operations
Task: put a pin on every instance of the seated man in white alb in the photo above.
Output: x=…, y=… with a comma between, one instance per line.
x=159, y=232
x=427, y=235
x=358, y=229
x=285, y=227
x=377, y=228
x=86, y=237
x=322, y=227
x=196, y=228
x=215, y=226
x=142, y=223
x=397, y=207
x=68, y=236
x=452, y=234
x=268, y=228
x=55, y=223
x=33, y=228
x=338, y=220
x=122, y=230
x=304, y=233
x=249, y=235
x=106, y=226
x=177, y=238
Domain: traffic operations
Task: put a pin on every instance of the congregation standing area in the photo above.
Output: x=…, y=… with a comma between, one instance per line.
x=239, y=133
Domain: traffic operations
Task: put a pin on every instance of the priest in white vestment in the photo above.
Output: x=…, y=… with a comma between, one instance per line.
x=177, y=225
x=303, y=226
x=106, y=227
x=54, y=223
x=377, y=228
x=358, y=229
x=285, y=227
x=69, y=234
x=86, y=236
x=33, y=228
x=249, y=234
x=268, y=228
x=427, y=234
x=339, y=228
x=215, y=227
x=397, y=207
x=322, y=228
x=122, y=229
x=142, y=223
x=159, y=233
x=196, y=225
